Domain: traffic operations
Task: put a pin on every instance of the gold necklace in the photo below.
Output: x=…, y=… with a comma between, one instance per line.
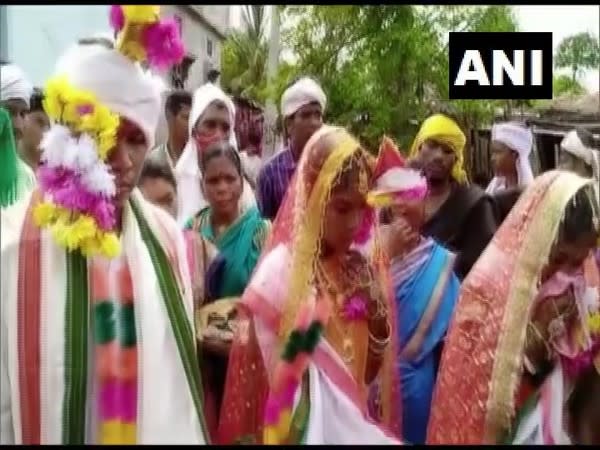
x=338, y=297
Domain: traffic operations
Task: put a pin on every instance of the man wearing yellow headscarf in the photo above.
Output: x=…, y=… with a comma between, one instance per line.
x=459, y=216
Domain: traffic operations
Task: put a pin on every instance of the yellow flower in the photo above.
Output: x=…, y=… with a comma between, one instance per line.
x=594, y=323
x=83, y=228
x=141, y=14
x=55, y=96
x=107, y=141
x=110, y=245
x=60, y=233
x=44, y=214
x=133, y=50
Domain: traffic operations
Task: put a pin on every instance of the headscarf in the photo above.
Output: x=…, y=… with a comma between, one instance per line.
x=304, y=92
x=117, y=82
x=16, y=178
x=14, y=84
x=299, y=227
x=394, y=181
x=520, y=140
x=446, y=131
x=483, y=354
x=187, y=171
x=572, y=144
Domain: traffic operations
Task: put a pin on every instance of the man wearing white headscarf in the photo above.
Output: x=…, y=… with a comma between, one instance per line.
x=212, y=119
x=302, y=108
x=99, y=349
x=511, y=146
x=579, y=155
x=16, y=177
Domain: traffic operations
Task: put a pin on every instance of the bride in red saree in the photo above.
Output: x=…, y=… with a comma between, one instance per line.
x=348, y=392
x=516, y=312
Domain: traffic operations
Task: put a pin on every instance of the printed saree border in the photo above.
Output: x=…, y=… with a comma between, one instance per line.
x=534, y=250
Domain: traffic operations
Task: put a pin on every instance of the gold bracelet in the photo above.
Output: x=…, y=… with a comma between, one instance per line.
x=375, y=343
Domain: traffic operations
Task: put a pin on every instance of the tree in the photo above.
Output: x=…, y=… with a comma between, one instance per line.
x=388, y=63
x=564, y=84
x=578, y=52
x=244, y=56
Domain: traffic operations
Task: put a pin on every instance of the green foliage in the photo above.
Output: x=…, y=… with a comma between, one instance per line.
x=578, y=52
x=389, y=62
x=244, y=57
x=563, y=84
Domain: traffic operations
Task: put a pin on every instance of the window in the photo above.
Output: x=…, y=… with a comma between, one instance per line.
x=209, y=47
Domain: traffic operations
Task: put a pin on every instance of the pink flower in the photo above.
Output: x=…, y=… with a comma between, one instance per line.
x=355, y=308
x=82, y=110
x=67, y=191
x=163, y=44
x=116, y=17
x=582, y=361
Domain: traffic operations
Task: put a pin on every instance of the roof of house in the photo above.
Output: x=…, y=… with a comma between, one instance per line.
x=586, y=105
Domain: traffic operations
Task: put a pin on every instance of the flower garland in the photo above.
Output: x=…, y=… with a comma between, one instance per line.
x=289, y=370
x=78, y=186
x=587, y=357
x=77, y=183
x=144, y=37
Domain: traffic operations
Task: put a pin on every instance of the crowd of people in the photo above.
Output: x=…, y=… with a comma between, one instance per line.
x=187, y=292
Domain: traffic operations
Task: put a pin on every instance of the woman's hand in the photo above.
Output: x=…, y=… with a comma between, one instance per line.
x=399, y=238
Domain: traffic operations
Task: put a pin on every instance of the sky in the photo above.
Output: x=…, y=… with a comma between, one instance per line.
x=561, y=20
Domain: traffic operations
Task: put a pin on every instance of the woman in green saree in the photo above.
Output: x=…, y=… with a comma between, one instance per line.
x=239, y=236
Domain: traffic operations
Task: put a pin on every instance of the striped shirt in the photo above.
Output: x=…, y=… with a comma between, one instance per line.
x=273, y=181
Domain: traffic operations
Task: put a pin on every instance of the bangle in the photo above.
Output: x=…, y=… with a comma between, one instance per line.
x=378, y=346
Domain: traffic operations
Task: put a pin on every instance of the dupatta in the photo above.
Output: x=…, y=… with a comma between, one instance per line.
x=482, y=362
x=293, y=247
x=239, y=246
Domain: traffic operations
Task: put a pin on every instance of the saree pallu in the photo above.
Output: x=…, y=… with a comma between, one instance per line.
x=541, y=422
x=335, y=411
x=239, y=248
x=482, y=362
x=226, y=275
x=426, y=290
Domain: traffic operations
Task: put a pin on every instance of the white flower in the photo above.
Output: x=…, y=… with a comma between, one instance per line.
x=87, y=154
x=53, y=144
x=98, y=179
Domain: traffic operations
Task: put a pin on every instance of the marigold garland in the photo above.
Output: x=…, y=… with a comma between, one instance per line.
x=81, y=112
x=79, y=215
x=78, y=186
x=143, y=36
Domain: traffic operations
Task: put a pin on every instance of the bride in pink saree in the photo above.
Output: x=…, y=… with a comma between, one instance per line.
x=525, y=317
x=347, y=391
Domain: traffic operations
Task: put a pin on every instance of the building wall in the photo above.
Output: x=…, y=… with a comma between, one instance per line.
x=201, y=43
x=36, y=35
x=195, y=35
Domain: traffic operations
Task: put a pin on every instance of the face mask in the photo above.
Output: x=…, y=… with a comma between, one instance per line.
x=204, y=140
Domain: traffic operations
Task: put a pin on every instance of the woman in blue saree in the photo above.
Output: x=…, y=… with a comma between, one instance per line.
x=238, y=236
x=426, y=290
x=425, y=286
